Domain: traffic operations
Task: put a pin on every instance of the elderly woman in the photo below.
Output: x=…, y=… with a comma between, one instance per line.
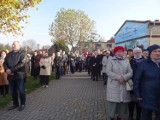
x=119, y=72
x=135, y=60
x=45, y=70
x=106, y=57
x=147, y=84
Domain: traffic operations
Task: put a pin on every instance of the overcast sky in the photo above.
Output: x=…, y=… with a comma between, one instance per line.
x=109, y=15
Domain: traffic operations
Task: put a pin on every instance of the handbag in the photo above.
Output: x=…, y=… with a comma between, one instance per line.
x=129, y=85
x=43, y=67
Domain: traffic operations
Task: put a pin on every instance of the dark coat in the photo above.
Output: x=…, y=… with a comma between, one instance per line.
x=134, y=64
x=35, y=67
x=16, y=61
x=88, y=61
x=58, y=61
x=94, y=62
x=99, y=61
x=147, y=84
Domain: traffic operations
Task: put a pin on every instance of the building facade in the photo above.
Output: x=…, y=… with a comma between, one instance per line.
x=138, y=34
x=91, y=46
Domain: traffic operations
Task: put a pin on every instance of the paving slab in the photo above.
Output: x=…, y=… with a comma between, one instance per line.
x=73, y=97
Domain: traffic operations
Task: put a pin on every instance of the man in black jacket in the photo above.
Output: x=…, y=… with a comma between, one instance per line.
x=58, y=64
x=14, y=66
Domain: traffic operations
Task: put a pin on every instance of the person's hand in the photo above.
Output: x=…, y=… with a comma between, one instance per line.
x=8, y=71
x=122, y=81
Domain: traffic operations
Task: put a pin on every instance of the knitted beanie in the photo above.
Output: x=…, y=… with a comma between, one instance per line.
x=152, y=47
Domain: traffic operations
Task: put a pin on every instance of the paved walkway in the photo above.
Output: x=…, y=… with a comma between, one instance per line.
x=73, y=97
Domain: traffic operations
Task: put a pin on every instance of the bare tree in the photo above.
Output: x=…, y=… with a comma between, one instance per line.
x=29, y=44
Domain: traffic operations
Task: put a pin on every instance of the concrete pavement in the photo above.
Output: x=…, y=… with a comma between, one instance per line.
x=73, y=97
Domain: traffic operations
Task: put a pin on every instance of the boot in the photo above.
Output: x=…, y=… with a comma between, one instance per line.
x=118, y=118
x=111, y=118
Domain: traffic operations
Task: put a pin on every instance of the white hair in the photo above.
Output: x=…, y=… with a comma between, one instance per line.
x=137, y=49
x=18, y=42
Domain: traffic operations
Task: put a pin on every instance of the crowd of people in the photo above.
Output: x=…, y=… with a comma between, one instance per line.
x=119, y=66
x=142, y=66
x=115, y=67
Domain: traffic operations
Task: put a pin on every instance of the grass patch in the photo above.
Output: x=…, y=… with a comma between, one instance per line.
x=30, y=85
x=5, y=100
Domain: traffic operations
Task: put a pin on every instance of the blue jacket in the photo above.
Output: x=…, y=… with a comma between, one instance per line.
x=147, y=84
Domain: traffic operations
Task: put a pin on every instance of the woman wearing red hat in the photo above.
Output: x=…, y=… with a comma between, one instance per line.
x=119, y=72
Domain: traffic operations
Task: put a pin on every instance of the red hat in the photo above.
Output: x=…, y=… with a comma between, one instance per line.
x=118, y=48
x=90, y=53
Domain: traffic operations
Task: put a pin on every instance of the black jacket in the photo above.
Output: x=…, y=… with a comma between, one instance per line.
x=15, y=61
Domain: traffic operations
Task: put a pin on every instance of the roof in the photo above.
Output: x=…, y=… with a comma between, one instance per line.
x=111, y=40
x=139, y=21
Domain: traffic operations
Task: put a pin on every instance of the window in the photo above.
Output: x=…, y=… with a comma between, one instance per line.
x=109, y=45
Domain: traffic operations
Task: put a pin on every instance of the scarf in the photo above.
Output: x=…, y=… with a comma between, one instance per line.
x=120, y=57
x=138, y=59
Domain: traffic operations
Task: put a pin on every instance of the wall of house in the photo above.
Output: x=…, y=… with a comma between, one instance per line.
x=132, y=35
x=131, y=30
x=90, y=46
x=154, y=29
x=154, y=41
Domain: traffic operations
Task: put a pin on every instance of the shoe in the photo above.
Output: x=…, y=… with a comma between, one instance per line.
x=43, y=86
x=46, y=86
x=21, y=107
x=12, y=107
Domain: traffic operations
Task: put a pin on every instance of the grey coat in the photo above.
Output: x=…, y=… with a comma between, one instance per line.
x=115, y=91
x=104, y=63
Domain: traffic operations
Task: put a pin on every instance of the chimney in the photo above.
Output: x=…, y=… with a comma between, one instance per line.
x=156, y=21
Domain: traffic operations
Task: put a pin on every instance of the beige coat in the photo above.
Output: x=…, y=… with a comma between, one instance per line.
x=115, y=91
x=3, y=75
x=47, y=63
x=104, y=63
